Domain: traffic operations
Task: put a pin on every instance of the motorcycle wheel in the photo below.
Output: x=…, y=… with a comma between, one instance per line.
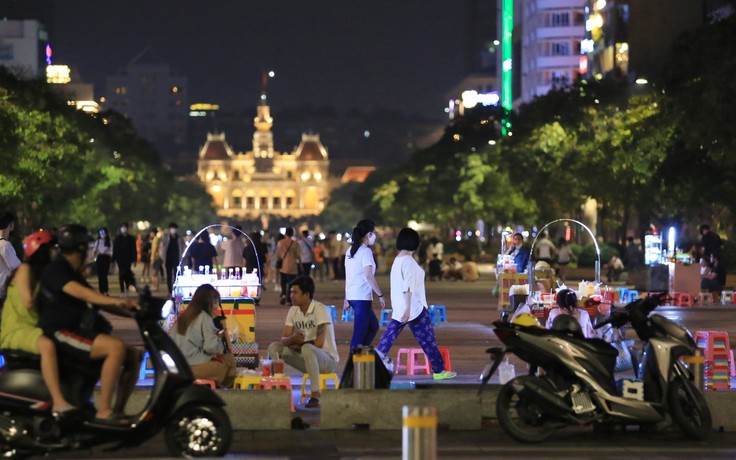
x=522, y=419
x=691, y=414
x=198, y=430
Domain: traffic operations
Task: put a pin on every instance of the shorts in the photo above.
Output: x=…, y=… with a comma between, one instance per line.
x=75, y=345
x=158, y=264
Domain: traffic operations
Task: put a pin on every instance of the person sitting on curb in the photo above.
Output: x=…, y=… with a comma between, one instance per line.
x=308, y=340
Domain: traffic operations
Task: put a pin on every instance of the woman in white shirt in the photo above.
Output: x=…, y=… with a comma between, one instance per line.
x=102, y=252
x=409, y=304
x=567, y=304
x=360, y=284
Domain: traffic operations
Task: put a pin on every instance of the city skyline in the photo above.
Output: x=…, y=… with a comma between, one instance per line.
x=333, y=53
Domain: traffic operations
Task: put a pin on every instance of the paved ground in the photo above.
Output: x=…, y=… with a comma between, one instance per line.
x=470, y=309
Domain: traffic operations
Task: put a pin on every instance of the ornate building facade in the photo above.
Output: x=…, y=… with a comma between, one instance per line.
x=262, y=181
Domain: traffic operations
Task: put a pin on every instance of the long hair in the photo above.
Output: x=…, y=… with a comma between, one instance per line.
x=37, y=263
x=202, y=301
x=107, y=236
x=363, y=228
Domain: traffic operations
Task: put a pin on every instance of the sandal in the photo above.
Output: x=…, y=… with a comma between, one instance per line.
x=313, y=403
x=112, y=420
x=65, y=412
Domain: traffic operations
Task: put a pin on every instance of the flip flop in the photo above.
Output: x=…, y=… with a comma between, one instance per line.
x=112, y=420
x=65, y=412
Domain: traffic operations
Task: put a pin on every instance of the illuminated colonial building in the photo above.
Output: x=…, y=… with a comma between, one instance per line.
x=248, y=185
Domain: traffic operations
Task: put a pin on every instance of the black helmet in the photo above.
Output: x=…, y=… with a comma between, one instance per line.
x=73, y=236
x=566, y=298
x=567, y=323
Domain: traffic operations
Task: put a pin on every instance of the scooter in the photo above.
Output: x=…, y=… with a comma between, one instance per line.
x=191, y=416
x=577, y=385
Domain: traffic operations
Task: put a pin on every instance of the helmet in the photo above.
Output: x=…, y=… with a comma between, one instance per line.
x=566, y=298
x=525, y=319
x=567, y=323
x=35, y=240
x=73, y=236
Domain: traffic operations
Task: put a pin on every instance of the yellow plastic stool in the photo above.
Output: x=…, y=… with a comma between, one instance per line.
x=247, y=382
x=323, y=379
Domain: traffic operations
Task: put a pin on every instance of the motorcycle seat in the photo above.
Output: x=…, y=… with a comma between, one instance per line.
x=19, y=359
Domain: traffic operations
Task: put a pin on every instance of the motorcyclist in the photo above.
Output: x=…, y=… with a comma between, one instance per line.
x=81, y=334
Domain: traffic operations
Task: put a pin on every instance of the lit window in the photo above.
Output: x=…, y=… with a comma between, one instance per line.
x=305, y=175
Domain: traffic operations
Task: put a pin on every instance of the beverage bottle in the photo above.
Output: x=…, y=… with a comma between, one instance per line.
x=201, y=269
x=223, y=274
x=230, y=274
x=237, y=273
x=207, y=270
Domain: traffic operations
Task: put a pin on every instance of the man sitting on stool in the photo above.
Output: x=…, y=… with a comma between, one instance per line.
x=308, y=340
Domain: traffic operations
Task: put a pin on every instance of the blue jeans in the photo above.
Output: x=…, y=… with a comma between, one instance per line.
x=366, y=323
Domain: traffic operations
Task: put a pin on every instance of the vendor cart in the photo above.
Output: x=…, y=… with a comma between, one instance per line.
x=239, y=295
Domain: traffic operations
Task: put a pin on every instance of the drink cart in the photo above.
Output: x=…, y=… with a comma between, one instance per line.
x=239, y=293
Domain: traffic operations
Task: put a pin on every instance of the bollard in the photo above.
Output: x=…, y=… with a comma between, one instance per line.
x=419, y=433
x=364, y=369
x=696, y=364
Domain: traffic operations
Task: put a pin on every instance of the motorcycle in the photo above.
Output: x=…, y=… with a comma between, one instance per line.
x=191, y=416
x=577, y=385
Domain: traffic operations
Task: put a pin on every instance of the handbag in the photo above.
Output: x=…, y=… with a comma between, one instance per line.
x=623, y=360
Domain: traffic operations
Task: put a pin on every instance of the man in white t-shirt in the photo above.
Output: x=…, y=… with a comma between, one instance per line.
x=9, y=260
x=308, y=340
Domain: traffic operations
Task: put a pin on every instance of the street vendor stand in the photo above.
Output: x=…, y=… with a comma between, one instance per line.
x=238, y=296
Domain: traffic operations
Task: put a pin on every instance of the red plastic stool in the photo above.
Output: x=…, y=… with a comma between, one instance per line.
x=683, y=299
x=206, y=382
x=279, y=383
x=719, y=363
x=446, y=357
x=412, y=366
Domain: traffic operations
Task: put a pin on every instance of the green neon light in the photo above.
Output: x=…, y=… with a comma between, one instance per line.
x=507, y=29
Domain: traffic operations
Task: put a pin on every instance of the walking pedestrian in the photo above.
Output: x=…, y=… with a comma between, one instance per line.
x=102, y=253
x=125, y=255
x=170, y=251
x=360, y=283
x=287, y=258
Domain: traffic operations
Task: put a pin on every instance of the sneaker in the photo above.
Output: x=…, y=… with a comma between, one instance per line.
x=444, y=375
x=313, y=403
x=387, y=363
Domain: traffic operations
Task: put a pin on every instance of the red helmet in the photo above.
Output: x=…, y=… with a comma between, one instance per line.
x=35, y=240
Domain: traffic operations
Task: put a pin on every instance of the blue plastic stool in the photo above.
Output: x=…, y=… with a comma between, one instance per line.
x=633, y=295
x=2, y=360
x=333, y=312
x=348, y=315
x=385, y=317
x=623, y=294
x=146, y=371
x=438, y=313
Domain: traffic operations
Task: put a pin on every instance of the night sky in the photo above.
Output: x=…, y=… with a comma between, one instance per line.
x=403, y=54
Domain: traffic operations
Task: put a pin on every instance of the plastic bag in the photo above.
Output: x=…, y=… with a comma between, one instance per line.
x=506, y=372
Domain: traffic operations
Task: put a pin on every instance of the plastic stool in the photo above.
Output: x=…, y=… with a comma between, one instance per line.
x=2, y=360
x=385, y=317
x=323, y=379
x=446, y=357
x=247, y=382
x=206, y=382
x=146, y=370
x=348, y=314
x=726, y=297
x=705, y=297
x=283, y=383
x=718, y=358
x=632, y=295
x=333, y=312
x=412, y=366
x=438, y=314
x=683, y=299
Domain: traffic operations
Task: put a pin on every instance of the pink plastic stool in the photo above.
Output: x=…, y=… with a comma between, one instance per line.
x=279, y=383
x=412, y=366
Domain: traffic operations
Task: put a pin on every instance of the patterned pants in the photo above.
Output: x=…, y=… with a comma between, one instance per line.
x=421, y=327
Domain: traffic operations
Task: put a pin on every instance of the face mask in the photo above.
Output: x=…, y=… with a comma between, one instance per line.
x=371, y=239
x=172, y=231
x=123, y=230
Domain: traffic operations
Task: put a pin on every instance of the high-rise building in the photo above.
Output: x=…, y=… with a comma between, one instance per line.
x=263, y=182
x=155, y=98
x=551, y=32
x=632, y=39
x=24, y=47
